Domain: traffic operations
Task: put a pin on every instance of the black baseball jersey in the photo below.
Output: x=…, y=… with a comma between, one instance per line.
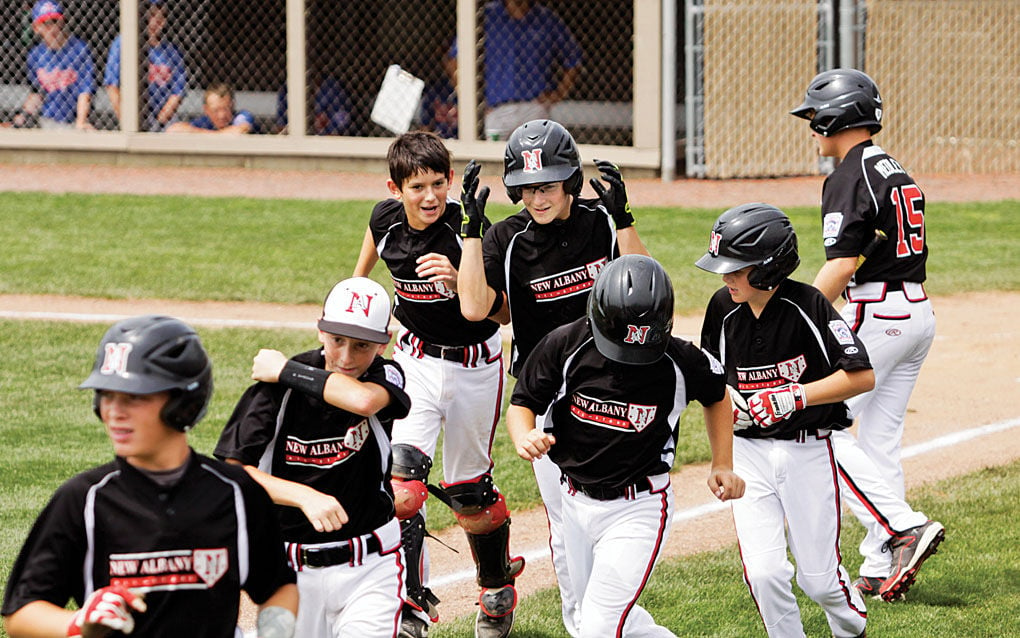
x=870, y=190
x=614, y=423
x=190, y=547
x=301, y=438
x=428, y=309
x=547, y=270
x=799, y=338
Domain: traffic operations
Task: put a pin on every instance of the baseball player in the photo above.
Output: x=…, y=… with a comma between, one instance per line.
x=61, y=72
x=538, y=266
x=454, y=371
x=869, y=196
x=790, y=361
x=315, y=432
x=614, y=384
x=161, y=540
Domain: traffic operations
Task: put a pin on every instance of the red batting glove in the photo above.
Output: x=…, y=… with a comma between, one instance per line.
x=769, y=407
x=107, y=609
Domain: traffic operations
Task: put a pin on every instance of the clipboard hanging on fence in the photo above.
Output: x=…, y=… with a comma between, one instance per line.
x=398, y=100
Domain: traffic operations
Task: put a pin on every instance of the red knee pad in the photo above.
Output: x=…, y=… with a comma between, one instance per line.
x=487, y=520
x=408, y=497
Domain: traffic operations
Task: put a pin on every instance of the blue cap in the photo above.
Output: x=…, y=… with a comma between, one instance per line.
x=47, y=10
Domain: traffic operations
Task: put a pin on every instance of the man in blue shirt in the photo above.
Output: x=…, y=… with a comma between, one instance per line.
x=531, y=62
x=166, y=75
x=61, y=72
x=220, y=116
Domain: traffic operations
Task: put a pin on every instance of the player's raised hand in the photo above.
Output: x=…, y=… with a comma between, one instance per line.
x=323, y=511
x=472, y=201
x=267, y=365
x=534, y=445
x=108, y=609
x=615, y=198
x=769, y=407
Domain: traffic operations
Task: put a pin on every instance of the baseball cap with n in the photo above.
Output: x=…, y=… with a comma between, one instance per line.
x=47, y=10
x=358, y=308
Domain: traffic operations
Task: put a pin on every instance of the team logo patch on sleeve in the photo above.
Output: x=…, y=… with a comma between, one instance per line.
x=839, y=329
x=713, y=363
x=831, y=224
x=394, y=376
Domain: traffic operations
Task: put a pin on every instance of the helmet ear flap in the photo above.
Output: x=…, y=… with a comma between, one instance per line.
x=573, y=183
x=514, y=193
x=770, y=274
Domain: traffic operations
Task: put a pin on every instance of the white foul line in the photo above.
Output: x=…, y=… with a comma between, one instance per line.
x=693, y=513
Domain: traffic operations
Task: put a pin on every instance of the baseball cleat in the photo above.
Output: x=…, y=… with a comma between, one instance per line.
x=489, y=627
x=910, y=549
x=869, y=586
x=411, y=626
x=495, y=612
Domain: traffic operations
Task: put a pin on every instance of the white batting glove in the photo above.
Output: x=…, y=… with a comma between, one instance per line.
x=769, y=407
x=106, y=610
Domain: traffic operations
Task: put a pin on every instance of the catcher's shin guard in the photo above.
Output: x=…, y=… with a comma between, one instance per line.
x=412, y=536
x=491, y=552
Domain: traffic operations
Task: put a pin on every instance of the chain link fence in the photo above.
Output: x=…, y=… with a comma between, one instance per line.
x=751, y=63
x=949, y=73
x=571, y=60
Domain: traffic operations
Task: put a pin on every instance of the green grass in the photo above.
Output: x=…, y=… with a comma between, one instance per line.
x=967, y=589
x=292, y=251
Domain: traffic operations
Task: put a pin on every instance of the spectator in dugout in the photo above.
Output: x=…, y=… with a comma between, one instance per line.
x=439, y=102
x=332, y=111
x=166, y=77
x=61, y=72
x=220, y=115
x=531, y=62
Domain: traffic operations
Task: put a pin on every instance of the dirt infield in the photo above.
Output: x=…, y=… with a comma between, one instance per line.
x=250, y=182
x=970, y=364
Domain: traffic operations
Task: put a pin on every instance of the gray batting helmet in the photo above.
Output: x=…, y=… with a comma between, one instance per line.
x=756, y=235
x=840, y=99
x=150, y=354
x=541, y=152
x=630, y=310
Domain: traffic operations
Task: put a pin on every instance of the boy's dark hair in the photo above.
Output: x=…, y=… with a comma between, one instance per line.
x=414, y=152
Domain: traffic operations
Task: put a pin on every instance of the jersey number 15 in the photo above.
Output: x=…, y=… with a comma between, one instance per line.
x=909, y=203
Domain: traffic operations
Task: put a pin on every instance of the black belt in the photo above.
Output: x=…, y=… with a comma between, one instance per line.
x=329, y=556
x=459, y=354
x=600, y=493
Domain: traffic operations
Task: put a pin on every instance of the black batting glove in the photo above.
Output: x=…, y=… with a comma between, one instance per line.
x=615, y=199
x=474, y=222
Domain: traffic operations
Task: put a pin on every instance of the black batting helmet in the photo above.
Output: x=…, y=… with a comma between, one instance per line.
x=756, y=235
x=540, y=152
x=841, y=99
x=630, y=310
x=149, y=354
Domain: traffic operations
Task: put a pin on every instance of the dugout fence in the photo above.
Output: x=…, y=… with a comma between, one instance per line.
x=948, y=71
